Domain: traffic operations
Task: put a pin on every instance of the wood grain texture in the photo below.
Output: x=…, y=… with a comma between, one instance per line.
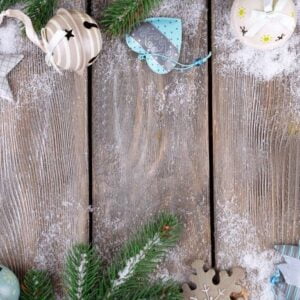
x=150, y=141
x=43, y=159
x=256, y=157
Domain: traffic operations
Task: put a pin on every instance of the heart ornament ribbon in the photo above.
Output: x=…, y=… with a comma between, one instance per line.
x=271, y=12
x=158, y=42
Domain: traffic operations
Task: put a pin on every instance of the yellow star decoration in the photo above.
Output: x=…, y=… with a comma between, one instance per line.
x=266, y=38
x=293, y=14
x=242, y=12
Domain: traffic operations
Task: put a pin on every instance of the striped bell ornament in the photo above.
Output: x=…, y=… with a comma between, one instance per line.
x=71, y=39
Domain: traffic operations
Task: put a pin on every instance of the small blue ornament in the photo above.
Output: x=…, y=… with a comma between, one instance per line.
x=9, y=285
x=286, y=280
x=158, y=41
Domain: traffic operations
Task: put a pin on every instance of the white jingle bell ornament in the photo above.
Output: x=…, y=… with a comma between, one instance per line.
x=263, y=24
x=71, y=39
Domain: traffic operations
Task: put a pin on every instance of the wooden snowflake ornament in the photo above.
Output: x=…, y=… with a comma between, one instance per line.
x=206, y=289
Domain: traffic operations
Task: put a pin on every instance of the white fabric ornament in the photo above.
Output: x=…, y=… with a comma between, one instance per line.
x=291, y=270
x=71, y=39
x=7, y=63
x=263, y=24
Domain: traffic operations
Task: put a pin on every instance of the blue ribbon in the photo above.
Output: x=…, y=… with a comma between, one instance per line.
x=182, y=67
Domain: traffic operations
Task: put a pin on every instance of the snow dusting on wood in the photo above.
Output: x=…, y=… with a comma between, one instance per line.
x=233, y=55
x=241, y=247
x=150, y=141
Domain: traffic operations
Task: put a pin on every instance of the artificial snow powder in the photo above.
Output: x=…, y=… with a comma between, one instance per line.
x=131, y=264
x=189, y=10
x=232, y=54
x=239, y=245
x=81, y=275
x=234, y=230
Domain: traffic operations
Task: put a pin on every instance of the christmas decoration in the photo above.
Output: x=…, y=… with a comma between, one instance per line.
x=71, y=39
x=121, y=16
x=5, y=4
x=286, y=280
x=7, y=63
x=39, y=11
x=126, y=278
x=158, y=41
x=206, y=289
x=242, y=295
x=167, y=290
x=9, y=285
x=82, y=273
x=37, y=286
x=263, y=24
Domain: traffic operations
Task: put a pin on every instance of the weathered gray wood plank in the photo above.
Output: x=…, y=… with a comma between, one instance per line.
x=150, y=141
x=256, y=163
x=43, y=161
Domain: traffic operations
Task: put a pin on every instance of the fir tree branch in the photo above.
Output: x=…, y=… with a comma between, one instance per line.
x=157, y=291
x=40, y=11
x=140, y=256
x=82, y=273
x=37, y=286
x=121, y=16
x=5, y=4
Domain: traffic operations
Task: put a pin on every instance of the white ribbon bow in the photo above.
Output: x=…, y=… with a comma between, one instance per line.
x=50, y=47
x=261, y=18
x=47, y=48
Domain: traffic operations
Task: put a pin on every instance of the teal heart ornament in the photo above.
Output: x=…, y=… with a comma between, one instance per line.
x=158, y=41
x=9, y=285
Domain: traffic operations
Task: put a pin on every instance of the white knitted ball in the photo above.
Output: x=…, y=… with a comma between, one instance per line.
x=263, y=27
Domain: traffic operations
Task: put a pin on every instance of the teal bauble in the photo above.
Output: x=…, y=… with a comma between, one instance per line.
x=9, y=285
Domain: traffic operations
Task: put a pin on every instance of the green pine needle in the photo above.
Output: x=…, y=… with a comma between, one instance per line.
x=37, y=286
x=40, y=11
x=82, y=273
x=126, y=278
x=158, y=291
x=141, y=255
x=5, y=4
x=121, y=16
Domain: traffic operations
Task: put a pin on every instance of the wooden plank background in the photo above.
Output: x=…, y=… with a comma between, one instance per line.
x=150, y=142
x=256, y=161
x=43, y=158
x=148, y=150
